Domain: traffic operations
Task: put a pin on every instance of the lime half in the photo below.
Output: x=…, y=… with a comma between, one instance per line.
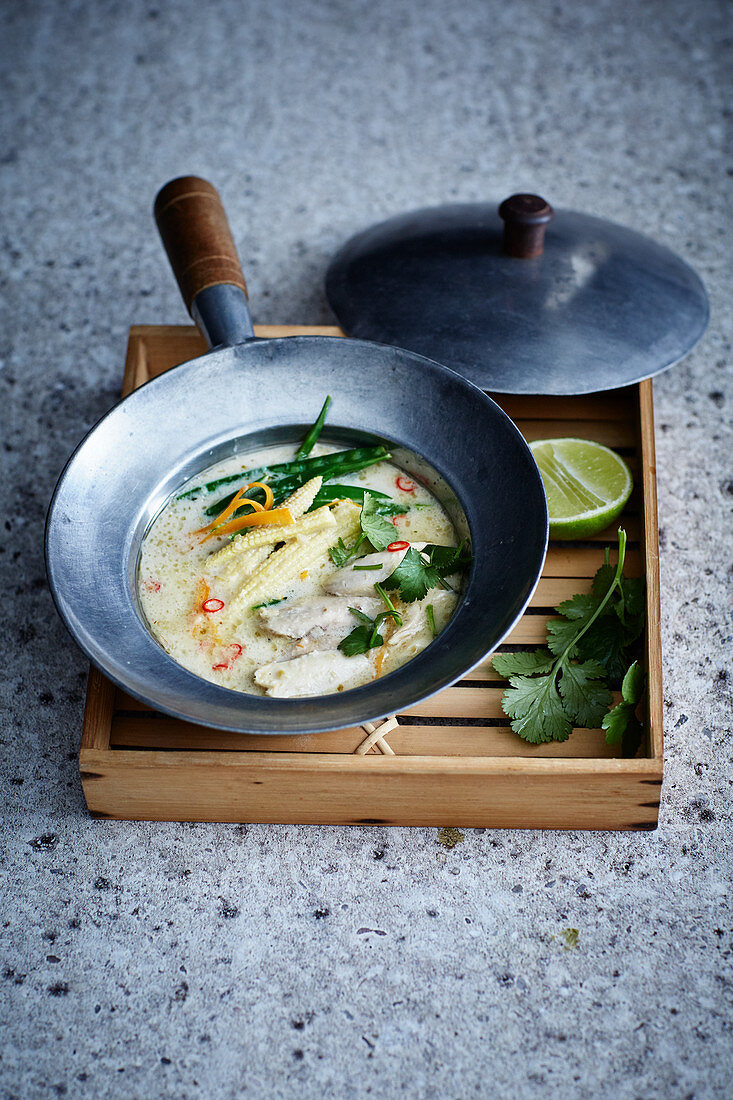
x=587, y=485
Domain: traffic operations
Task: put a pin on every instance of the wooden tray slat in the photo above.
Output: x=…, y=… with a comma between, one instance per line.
x=458, y=740
x=456, y=760
x=564, y=561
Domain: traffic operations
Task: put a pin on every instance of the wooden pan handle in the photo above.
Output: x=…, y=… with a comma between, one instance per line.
x=196, y=235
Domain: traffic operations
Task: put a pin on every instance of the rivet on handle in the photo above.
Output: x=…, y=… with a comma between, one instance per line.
x=525, y=218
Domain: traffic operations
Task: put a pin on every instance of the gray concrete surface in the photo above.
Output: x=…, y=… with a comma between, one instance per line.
x=173, y=960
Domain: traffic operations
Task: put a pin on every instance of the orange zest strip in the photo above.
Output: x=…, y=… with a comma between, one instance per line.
x=278, y=517
x=225, y=514
x=269, y=495
x=237, y=502
x=202, y=593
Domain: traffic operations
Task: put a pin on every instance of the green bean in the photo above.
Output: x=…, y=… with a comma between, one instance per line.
x=310, y=440
x=327, y=493
x=339, y=460
x=285, y=477
x=385, y=505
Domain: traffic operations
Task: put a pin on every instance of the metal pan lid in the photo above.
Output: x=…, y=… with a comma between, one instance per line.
x=520, y=299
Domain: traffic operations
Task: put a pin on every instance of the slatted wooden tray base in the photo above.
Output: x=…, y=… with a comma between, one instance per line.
x=454, y=760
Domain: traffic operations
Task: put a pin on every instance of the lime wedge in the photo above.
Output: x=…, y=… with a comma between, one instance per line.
x=587, y=485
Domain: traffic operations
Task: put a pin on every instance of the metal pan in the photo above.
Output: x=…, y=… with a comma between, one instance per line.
x=244, y=394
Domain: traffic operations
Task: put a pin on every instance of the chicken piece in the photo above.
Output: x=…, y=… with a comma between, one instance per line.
x=313, y=674
x=318, y=622
x=355, y=580
x=415, y=625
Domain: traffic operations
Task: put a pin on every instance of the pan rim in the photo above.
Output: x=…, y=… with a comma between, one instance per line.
x=355, y=708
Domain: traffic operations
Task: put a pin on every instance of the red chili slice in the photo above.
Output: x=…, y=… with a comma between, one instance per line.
x=395, y=518
x=212, y=606
x=395, y=546
x=405, y=484
x=236, y=652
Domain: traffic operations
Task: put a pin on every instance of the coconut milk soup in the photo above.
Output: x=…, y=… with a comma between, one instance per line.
x=299, y=576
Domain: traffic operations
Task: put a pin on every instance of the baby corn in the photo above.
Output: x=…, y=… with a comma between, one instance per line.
x=300, y=501
x=268, y=536
x=282, y=566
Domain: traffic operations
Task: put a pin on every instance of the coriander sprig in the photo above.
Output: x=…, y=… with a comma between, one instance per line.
x=552, y=692
x=421, y=570
x=375, y=529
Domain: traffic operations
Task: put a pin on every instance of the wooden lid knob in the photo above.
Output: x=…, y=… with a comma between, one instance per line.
x=525, y=218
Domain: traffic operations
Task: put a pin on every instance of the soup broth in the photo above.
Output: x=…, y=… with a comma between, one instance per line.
x=290, y=608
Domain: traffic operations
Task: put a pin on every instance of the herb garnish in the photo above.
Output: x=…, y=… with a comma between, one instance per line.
x=390, y=606
x=413, y=577
x=552, y=692
x=429, y=611
x=421, y=570
x=268, y=603
x=374, y=529
x=340, y=553
x=285, y=477
x=378, y=530
x=366, y=636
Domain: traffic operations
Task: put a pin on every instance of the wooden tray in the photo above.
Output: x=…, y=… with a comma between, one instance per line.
x=451, y=760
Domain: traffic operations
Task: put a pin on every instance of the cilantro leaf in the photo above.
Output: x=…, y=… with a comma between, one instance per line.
x=521, y=664
x=361, y=640
x=536, y=709
x=579, y=607
x=561, y=635
x=392, y=508
x=552, y=692
x=377, y=529
x=362, y=617
x=615, y=723
x=602, y=624
x=622, y=726
x=374, y=527
x=584, y=694
x=413, y=577
x=340, y=553
x=577, y=613
x=605, y=642
x=365, y=637
x=630, y=606
x=447, y=559
x=603, y=579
